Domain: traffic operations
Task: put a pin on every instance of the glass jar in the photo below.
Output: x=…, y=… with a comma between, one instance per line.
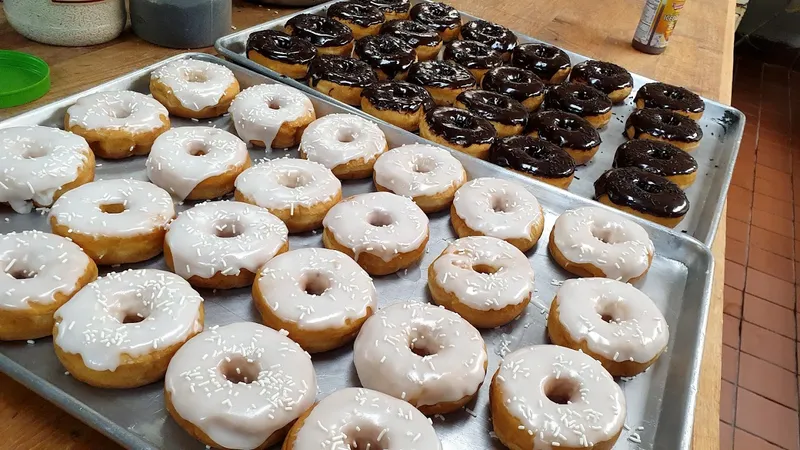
x=67, y=22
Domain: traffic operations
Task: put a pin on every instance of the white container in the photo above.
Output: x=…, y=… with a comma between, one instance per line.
x=67, y=22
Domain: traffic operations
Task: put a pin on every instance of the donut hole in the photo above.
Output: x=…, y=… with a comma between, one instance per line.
x=659, y=153
x=195, y=76
x=315, y=283
x=544, y=52
x=561, y=391
x=421, y=344
x=582, y=94
x=380, y=219
x=423, y=164
x=228, y=228
x=238, y=369
x=603, y=234
x=485, y=269
x=20, y=273
x=464, y=121
x=612, y=311
x=366, y=437
x=293, y=179
x=134, y=315
x=34, y=151
x=501, y=204
x=647, y=186
x=197, y=149
x=345, y=135
x=118, y=112
x=274, y=103
x=673, y=94
x=670, y=120
x=569, y=125
x=113, y=208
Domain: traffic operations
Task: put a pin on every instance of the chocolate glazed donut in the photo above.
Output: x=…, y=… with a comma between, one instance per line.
x=387, y=55
x=568, y=131
x=400, y=103
x=499, y=38
x=445, y=19
x=520, y=84
x=424, y=40
x=362, y=19
x=673, y=98
x=285, y=54
x=549, y=63
x=443, y=79
x=392, y=9
x=664, y=125
x=660, y=158
x=644, y=194
x=581, y=100
x=608, y=78
x=473, y=55
x=341, y=77
x=329, y=36
x=507, y=115
x=458, y=129
x=535, y=158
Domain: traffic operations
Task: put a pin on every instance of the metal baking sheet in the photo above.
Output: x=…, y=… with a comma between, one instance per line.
x=660, y=401
x=723, y=127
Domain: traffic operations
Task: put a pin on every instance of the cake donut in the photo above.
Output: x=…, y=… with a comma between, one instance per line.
x=320, y=296
x=240, y=386
x=499, y=38
x=549, y=63
x=362, y=19
x=121, y=330
x=520, y=84
x=346, y=144
x=659, y=158
x=671, y=98
x=341, y=77
x=445, y=80
x=329, y=36
x=487, y=281
x=114, y=221
x=498, y=208
x=197, y=163
x=611, y=321
x=664, y=125
x=606, y=77
x=458, y=129
x=593, y=242
x=425, y=41
x=534, y=158
x=642, y=194
x=221, y=245
x=400, y=103
x=425, y=355
x=194, y=89
x=392, y=9
x=388, y=56
x=547, y=396
x=475, y=56
x=581, y=100
x=117, y=124
x=568, y=131
x=286, y=54
x=40, y=272
x=443, y=18
x=39, y=164
x=382, y=232
x=507, y=115
x=356, y=418
x=271, y=115
x=426, y=174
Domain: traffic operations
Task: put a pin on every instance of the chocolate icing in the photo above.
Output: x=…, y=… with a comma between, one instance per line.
x=440, y=74
x=660, y=158
x=437, y=16
x=389, y=5
x=498, y=37
x=320, y=31
x=342, y=70
x=532, y=156
x=542, y=59
x=519, y=84
x=459, y=127
x=577, y=99
x=413, y=33
x=494, y=107
x=386, y=53
x=642, y=191
x=667, y=96
x=472, y=55
x=564, y=129
x=398, y=96
x=361, y=14
x=279, y=46
x=603, y=76
x=665, y=124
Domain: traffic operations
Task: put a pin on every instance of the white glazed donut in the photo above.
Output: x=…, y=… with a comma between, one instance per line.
x=38, y=164
x=593, y=242
x=498, y=208
x=354, y=418
x=486, y=280
x=239, y=386
x=423, y=354
x=320, y=296
x=547, y=396
x=121, y=330
x=114, y=221
x=298, y=191
x=194, y=89
x=428, y=175
x=197, y=163
x=271, y=115
x=221, y=245
x=345, y=143
x=610, y=321
x=383, y=232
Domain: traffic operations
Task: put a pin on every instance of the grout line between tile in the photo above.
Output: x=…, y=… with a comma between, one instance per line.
x=794, y=218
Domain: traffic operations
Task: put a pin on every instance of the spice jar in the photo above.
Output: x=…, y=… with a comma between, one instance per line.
x=181, y=23
x=67, y=22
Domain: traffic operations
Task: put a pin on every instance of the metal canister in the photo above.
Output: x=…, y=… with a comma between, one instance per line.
x=181, y=23
x=656, y=25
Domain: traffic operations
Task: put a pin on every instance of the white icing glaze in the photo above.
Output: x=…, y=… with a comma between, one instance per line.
x=596, y=408
x=379, y=223
x=35, y=162
x=117, y=110
x=91, y=323
x=352, y=417
x=286, y=280
x=511, y=284
x=418, y=170
x=182, y=158
x=337, y=139
x=497, y=208
x=196, y=84
x=286, y=183
x=453, y=368
x=224, y=237
x=46, y=265
x=273, y=383
x=147, y=207
x=619, y=247
x=258, y=112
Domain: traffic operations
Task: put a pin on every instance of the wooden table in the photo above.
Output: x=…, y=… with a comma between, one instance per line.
x=700, y=57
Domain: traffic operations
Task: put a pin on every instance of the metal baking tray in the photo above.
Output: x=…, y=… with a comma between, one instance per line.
x=722, y=125
x=660, y=401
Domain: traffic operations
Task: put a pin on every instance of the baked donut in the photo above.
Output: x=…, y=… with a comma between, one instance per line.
x=197, y=163
x=392, y=9
x=425, y=41
x=388, y=56
x=341, y=77
x=458, y=129
x=486, y=281
x=362, y=19
x=611, y=321
x=642, y=194
x=114, y=221
x=425, y=355
x=473, y=55
x=39, y=164
x=442, y=18
x=443, y=79
x=297, y=191
x=548, y=62
x=40, y=272
x=568, y=131
x=520, y=84
x=534, y=158
x=507, y=115
x=117, y=124
x=400, y=103
x=664, y=125
x=382, y=232
x=499, y=38
x=271, y=115
x=194, y=89
x=659, y=158
x=581, y=100
x=346, y=144
x=121, y=330
x=329, y=36
x=606, y=77
x=239, y=386
x=426, y=174
x=320, y=296
x=546, y=396
x=286, y=54
x=671, y=98
x=593, y=242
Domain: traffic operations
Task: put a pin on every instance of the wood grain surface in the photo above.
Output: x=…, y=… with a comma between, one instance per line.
x=700, y=57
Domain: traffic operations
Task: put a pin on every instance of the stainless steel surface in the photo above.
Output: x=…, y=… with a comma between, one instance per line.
x=723, y=127
x=660, y=400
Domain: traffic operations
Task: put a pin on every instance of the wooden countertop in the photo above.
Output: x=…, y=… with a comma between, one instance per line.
x=700, y=57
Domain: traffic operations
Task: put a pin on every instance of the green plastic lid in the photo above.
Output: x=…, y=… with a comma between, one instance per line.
x=23, y=78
